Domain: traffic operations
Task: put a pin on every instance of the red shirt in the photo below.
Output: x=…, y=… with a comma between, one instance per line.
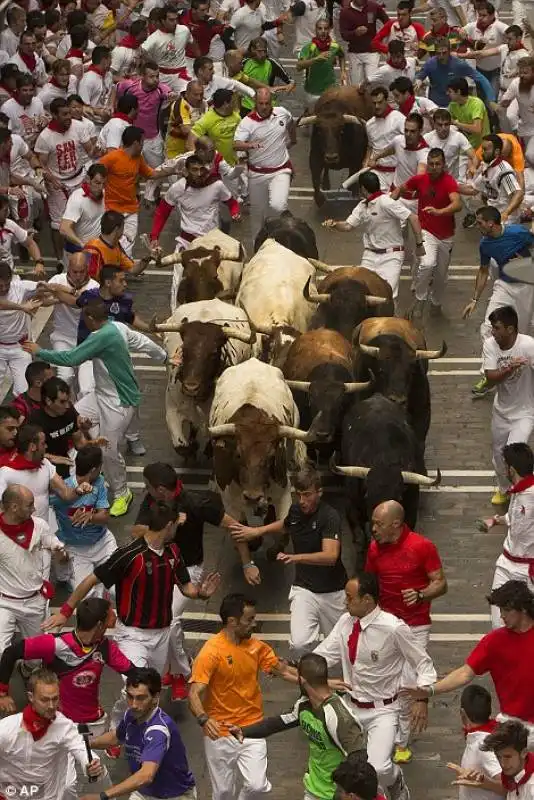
x=508, y=657
x=404, y=564
x=434, y=193
x=6, y=455
x=202, y=32
x=351, y=18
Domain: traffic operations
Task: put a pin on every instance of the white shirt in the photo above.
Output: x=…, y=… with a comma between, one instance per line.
x=24, y=120
x=9, y=233
x=247, y=23
x=493, y=36
x=386, y=74
x=18, y=163
x=220, y=82
x=381, y=132
x=520, y=520
x=85, y=213
x=110, y=137
x=22, y=572
x=95, y=90
x=455, y=145
x=272, y=132
x=43, y=763
x=407, y=35
x=497, y=181
x=407, y=161
x=305, y=24
x=509, y=59
x=39, y=73
x=514, y=398
x=199, y=208
x=65, y=319
x=65, y=45
x=168, y=49
x=63, y=151
x=49, y=92
x=15, y=325
x=474, y=758
x=385, y=644
x=37, y=481
x=525, y=102
x=9, y=41
x=123, y=60
x=382, y=220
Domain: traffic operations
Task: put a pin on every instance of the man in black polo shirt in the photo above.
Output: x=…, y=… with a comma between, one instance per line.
x=317, y=597
x=193, y=510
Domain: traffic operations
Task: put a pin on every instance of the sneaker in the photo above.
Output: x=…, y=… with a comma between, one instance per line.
x=469, y=221
x=402, y=755
x=136, y=447
x=399, y=790
x=114, y=751
x=481, y=387
x=167, y=679
x=499, y=498
x=121, y=505
x=180, y=688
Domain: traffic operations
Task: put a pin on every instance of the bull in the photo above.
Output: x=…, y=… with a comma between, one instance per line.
x=339, y=137
x=396, y=353
x=291, y=232
x=347, y=296
x=252, y=422
x=201, y=339
x=382, y=460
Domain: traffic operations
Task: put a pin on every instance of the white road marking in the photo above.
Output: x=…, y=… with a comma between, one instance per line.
x=445, y=473
x=284, y=637
x=440, y=372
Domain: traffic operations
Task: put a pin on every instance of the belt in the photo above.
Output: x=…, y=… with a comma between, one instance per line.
x=271, y=170
x=189, y=237
x=28, y=597
x=520, y=560
x=12, y=344
x=378, y=704
x=384, y=169
x=386, y=250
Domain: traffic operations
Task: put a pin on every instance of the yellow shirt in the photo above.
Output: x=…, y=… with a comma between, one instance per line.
x=181, y=114
x=221, y=131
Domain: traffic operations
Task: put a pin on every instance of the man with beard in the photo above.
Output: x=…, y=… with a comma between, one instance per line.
x=496, y=181
x=522, y=90
x=9, y=425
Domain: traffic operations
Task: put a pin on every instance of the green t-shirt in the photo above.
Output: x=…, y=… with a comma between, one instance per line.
x=470, y=111
x=221, y=132
x=320, y=76
x=259, y=71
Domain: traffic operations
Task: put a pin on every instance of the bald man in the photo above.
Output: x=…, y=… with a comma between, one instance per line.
x=25, y=546
x=265, y=136
x=410, y=576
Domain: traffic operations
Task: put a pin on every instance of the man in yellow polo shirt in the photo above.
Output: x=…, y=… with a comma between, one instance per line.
x=185, y=111
x=219, y=123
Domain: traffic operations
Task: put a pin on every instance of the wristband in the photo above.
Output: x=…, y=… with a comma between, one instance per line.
x=249, y=564
x=431, y=690
x=66, y=610
x=103, y=796
x=202, y=719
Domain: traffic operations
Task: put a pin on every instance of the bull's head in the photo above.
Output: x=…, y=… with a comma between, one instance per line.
x=345, y=305
x=413, y=478
x=201, y=353
x=329, y=127
x=200, y=280
x=259, y=451
x=276, y=343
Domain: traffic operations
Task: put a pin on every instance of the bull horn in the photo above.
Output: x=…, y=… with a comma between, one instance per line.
x=351, y=388
x=349, y=472
x=228, y=429
x=351, y=118
x=303, y=386
x=321, y=266
x=370, y=350
x=432, y=353
x=242, y=336
x=289, y=432
x=421, y=480
x=307, y=121
x=173, y=258
x=173, y=327
x=372, y=300
x=311, y=294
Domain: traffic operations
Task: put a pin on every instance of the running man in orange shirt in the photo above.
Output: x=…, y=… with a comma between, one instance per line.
x=125, y=166
x=225, y=691
x=106, y=249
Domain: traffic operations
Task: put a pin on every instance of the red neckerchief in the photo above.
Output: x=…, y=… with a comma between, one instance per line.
x=443, y=31
x=510, y=784
x=35, y=723
x=30, y=61
x=387, y=111
x=54, y=126
x=86, y=189
x=518, y=46
x=94, y=68
x=215, y=166
x=256, y=117
x=6, y=456
x=372, y=196
x=130, y=42
x=352, y=642
x=421, y=144
x=406, y=106
x=522, y=484
x=20, y=534
x=20, y=462
x=74, y=52
x=396, y=67
x=120, y=115
x=487, y=727
x=177, y=492
x=10, y=92
x=323, y=45
x=53, y=82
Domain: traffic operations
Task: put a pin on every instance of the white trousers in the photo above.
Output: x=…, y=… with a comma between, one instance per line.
x=409, y=678
x=84, y=559
x=268, y=196
x=503, y=432
x=506, y=570
x=380, y=725
x=310, y=615
x=86, y=381
x=518, y=295
x=362, y=66
x=153, y=153
x=387, y=265
x=431, y=275
x=131, y=223
x=227, y=759
x=15, y=360
x=179, y=660
x=24, y=616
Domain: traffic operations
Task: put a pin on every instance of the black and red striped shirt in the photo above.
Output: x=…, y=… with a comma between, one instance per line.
x=144, y=581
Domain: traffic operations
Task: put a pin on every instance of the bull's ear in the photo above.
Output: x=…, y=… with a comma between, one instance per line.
x=225, y=465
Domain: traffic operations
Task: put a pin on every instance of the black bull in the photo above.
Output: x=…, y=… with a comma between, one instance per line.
x=335, y=145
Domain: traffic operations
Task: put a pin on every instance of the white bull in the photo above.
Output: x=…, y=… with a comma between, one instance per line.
x=254, y=424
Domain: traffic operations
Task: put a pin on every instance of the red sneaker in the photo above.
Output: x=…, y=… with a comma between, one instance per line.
x=167, y=679
x=114, y=751
x=180, y=688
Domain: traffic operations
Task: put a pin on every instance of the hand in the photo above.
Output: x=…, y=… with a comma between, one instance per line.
x=31, y=306
x=81, y=517
x=236, y=732
x=468, y=310
x=322, y=57
x=210, y=584
x=418, y=85
x=85, y=488
x=371, y=163
x=55, y=621
x=94, y=769
x=361, y=30
x=85, y=424
x=504, y=217
x=181, y=519
x=410, y=596
x=243, y=533
x=212, y=729
x=339, y=685
x=237, y=217
x=100, y=441
x=176, y=360
x=328, y=223
x=415, y=693
x=7, y=705
x=252, y=575
x=343, y=79
x=255, y=145
x=39, y=270
x=30, y=347
x=61, y=556
x=419, y=716
x=63, y=460
x=466, y=777
x=519, y=361
x=434, y=212
x=286, y=558
x=495, y=107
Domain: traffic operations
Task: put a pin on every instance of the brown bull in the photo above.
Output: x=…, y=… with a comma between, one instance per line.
x=200, y=280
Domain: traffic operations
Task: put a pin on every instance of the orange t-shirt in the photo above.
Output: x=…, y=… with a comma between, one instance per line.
x=516, y=159
x=121, y=181
x=231, y=673
x=100, y=253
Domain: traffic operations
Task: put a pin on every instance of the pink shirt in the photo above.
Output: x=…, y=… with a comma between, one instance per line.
x=150, y=104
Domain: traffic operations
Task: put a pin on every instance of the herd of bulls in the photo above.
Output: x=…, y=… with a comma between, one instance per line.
x=299, y=364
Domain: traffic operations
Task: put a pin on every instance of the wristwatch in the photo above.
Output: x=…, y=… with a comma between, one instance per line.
x=420, y=596
x=103, y=796
x=202, y=719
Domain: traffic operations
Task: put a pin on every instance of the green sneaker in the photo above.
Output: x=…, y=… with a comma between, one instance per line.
x=121, y=505
x=481, y=387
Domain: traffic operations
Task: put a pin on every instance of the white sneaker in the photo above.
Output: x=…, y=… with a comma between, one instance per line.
x=399, y=790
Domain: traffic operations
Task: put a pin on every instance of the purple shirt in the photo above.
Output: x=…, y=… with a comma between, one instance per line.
x=120, y=309
x=158, y=740
x=150, y=104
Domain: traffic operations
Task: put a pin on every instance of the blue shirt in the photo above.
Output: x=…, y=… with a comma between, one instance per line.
x=120, y=309
x=158, y=739
x=440, y=75
x=515, y=241
x=75, y=534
